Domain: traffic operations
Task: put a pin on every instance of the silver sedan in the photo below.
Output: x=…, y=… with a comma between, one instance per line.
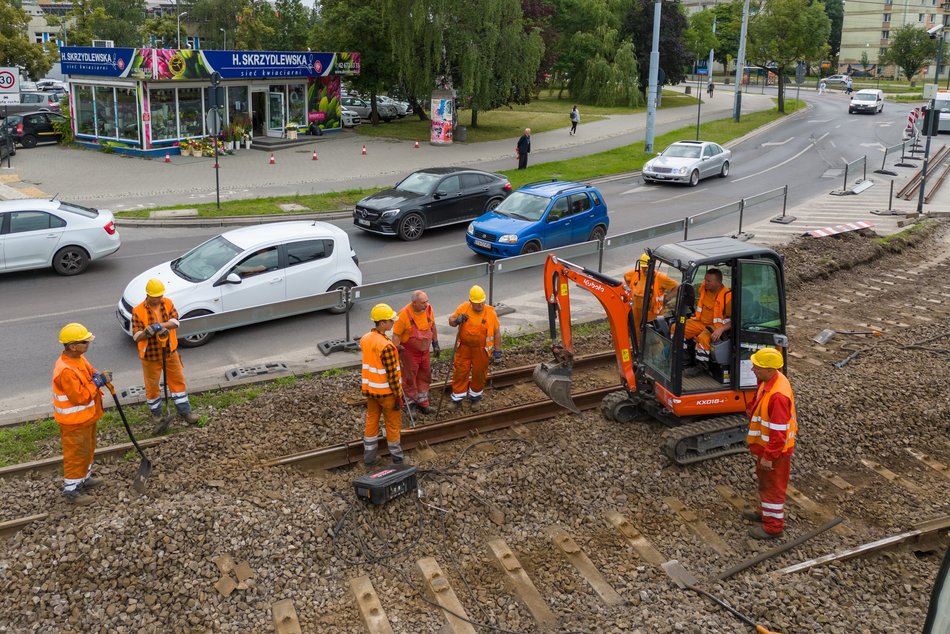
x=688, y=162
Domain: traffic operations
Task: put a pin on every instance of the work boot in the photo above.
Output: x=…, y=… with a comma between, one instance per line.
x=161, y=424
x=370, y=461
x=398, y=459
x=757, y=532
x=91, y=483
x=752, y=516
x=423, y=408
x=156, y=418
x=78, y=499
x=476, y=403
x=457, y=405
x=190, y=418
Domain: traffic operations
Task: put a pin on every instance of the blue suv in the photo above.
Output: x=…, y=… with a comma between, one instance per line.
x=538, y=216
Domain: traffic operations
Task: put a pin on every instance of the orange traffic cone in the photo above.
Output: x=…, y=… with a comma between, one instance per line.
x=417, y=145
x=364, y=150
x=273, y=161
x=314, y=157
x=168, y=158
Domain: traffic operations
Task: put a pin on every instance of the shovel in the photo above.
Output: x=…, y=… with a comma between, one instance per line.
x=684, y=579
x=828, y=334
x=145, y=467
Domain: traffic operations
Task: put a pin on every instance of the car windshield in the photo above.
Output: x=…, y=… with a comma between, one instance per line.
x=942, y=106
x=205, y=259
x=865, y=97
x=523, y=206
x=683, y=151
x=420, y=183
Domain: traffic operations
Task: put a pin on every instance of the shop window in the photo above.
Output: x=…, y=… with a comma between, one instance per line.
x=297, y=102
x=239, y=114
x=190, y=112
x=85, y=111
x=105, y=112
x=127, y=109
x=164, y=115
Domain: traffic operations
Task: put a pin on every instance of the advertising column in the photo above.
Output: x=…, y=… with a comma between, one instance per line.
x=443, y=117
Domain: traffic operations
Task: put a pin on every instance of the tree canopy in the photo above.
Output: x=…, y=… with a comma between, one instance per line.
x=910, y=49
x=675, y=59
x=15, y=48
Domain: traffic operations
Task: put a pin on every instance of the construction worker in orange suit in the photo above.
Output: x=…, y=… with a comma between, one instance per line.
x=154, y=322
x=773, y=427
x=636, y=279
x=77, y=407
x=413, y=333
x=713, y=314
x=478, y=335
x=382, y=387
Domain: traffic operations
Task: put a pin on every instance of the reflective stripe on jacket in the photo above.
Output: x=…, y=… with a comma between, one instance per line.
x=150, y=316
x=719, y=317
x=375, y=378
x=76, y=399
x=760, y=427
x=479, y=330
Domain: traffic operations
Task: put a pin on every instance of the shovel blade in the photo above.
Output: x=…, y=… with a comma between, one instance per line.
x=555, y=382
x=145, y=470
x=824, y=336
x=680, y=575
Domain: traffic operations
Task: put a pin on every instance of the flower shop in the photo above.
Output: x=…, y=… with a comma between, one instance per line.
x=150, y=101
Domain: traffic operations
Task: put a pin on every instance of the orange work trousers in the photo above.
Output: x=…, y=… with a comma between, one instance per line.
x=79, y=450
x=695, y=329
x=174, y=376
x=469, y=360
x=389, y=409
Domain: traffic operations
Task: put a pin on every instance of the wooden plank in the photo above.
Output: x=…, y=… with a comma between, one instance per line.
x=814, y=510
x=521, y=585
x=11, y=527
x=443, y=594
x=838, y=481
x=584, y=565
x=937, y=466
x=698, y=527
x=737, y=501
x=285, y=617
x=640, y=543
x=890, y=476
x=374, y=617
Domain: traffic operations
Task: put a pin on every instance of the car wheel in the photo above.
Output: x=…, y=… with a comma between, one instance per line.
x=882, y=108
x=339, y=309
x=411, y=227
x=28, y=141
x=648, y=181
x=492, y=204
x=694, y=178
x=70, y=261
x=850, y=111
x=725, y=170
x=598, y=233
x=531, y=247
x=193, y=341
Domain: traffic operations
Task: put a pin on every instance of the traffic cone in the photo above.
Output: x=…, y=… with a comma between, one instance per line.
x=417, y=145
x=364, y=150
x=168, y=158
x=314, y=157
x=273, y=161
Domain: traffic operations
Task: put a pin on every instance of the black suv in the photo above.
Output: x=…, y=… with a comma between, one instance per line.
x=33, y=127
x=428, y=198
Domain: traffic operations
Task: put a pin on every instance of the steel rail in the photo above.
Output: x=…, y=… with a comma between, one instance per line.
x=351, y=452
x=55, y=463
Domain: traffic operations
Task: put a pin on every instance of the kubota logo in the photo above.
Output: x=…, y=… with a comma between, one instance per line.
x=594, y=286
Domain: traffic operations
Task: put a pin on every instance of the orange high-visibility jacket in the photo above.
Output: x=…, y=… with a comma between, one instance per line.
x=76, y=399
x=479, y=329
x=722, y=309
x=662, y=283
x=152, y=316
x=760, y=426
x=375, y=378
x=403, y=328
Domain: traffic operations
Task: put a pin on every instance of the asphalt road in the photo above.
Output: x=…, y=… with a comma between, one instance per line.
x=805, y=153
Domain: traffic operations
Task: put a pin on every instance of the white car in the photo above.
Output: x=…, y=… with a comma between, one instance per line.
x=36, y=233
x=402, y=108
x=349, y=118
x=250, y=266
x=688, y=162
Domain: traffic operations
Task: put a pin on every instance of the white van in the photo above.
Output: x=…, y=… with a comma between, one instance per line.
x=867, y=100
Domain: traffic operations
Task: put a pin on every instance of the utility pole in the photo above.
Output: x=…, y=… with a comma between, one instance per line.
x=932, y=115
x=654, y=73
x=740, y=62
x=709, y=65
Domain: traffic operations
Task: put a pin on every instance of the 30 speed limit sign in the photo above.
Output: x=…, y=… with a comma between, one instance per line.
x=7, y=80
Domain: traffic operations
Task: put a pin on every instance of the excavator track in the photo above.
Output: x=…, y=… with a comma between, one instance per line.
x=706, y=439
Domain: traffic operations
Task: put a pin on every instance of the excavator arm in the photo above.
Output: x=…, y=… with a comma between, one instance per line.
x=555, y=379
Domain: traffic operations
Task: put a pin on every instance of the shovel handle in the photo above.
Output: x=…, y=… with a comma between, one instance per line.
x=128, y=429
x=761, y=629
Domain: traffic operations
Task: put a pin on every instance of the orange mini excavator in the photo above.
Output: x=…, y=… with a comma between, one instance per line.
x=703, y=402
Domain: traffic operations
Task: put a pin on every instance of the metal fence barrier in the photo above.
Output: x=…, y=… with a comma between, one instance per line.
x=891, y=150
x=863, y=161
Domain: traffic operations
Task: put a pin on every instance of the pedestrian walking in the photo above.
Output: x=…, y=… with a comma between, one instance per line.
x=524, y=148
x=709, y=89
x=822, y=87
x=575, y=119
x=77, y=407
x=413, y=333
x=154, y=322
x=382, y=387
x=773, y=427
x=478, y=334
x=849, y=87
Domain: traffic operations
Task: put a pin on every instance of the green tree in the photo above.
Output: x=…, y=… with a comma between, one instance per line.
x=15, y=48
x=256, y=26
x=539, y=14
x=675, y=59
x=293, y=26
x=728, y=27
x=835, y=11
x=160, y=30
x=699, y=36
x=608, y=72
x=118, y=20
x=785, y=32
x=910, y=49
x=210, y=16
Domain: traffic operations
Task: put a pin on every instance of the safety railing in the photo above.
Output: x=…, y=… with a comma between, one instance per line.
x=887, y=152
x=863, y=161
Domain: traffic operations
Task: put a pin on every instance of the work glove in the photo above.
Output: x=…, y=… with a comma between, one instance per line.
x=496, y=356
x=153, y=329
x=461, y=319
x=100, y=379
x=435, y=349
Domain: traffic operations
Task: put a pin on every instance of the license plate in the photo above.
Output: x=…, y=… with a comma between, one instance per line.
x=483, y=244
x=360, y=221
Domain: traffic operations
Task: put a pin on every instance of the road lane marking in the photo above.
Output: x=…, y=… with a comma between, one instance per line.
x=819, y=120
x=769, y=169
x=395, y=257
x=65, y=312
x=778, y=142
x=695, y=191
x=139, y=256
x=833, y=144
x=639, y=188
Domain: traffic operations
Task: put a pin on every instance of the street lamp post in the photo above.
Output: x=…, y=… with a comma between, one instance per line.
x=178, y=27
x=225, y=38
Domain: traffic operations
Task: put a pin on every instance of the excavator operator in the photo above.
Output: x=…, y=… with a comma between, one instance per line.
x=713, y=317
x=636, y=279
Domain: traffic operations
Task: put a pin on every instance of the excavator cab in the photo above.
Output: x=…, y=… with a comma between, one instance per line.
x=673, y=368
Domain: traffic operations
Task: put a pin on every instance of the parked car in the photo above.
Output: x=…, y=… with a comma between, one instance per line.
x=33, y=127
x=428, y=198
x=349, y=118
x=7, y=144
x=835, y=81
x=36, y=233
x=688, y=162
x=37, y=101
x=402, y=108
x=387, y=112
x=538, y=216
x=51, y=85
x=250, y=266
x=867, y=100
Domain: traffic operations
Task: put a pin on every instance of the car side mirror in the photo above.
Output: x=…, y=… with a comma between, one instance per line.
x=439, y=194
x=231, y=278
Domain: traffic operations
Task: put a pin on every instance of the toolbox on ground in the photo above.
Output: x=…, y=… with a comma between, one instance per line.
x=386, y=483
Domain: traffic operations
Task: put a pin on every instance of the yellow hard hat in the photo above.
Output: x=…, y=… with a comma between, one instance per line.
x=768, y=358
x=645, y=260
x=476, y=294
x=154, y=288
x=71, y=333
x=382, y=312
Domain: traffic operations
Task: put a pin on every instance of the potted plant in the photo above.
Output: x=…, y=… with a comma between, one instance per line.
x=291, y=130
x=227, y=136
x=247, y=140
x=185, y=146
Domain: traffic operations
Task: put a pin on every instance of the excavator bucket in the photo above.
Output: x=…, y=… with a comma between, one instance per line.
x=555, y=382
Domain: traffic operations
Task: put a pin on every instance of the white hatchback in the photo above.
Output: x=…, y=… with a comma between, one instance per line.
x=251, y=266
x=36, y=233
